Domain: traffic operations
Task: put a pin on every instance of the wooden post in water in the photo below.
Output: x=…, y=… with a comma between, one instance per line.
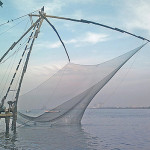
x=14, y=120
x=7, y=121
x=5, y=114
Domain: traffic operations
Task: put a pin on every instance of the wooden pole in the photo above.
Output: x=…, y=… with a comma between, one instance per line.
x=6, y=115
x=94, y=23
x=7, y=121
x=14, y=120
x=22, y=75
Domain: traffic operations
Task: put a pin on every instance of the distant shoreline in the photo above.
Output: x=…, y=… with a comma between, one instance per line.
x=120, y=108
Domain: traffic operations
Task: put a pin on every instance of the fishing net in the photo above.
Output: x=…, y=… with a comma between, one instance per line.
x=67, y=93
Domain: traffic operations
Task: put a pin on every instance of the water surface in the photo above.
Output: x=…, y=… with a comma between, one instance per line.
x=101, y=129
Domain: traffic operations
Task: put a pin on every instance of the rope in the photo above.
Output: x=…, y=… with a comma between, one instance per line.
x=8, y=73
x=12, y=27
x=26, y=47
x=18, y=18
x=15, y=43
x=14, y=52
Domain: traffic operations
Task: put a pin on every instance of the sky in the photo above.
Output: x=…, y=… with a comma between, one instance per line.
x=86, y=44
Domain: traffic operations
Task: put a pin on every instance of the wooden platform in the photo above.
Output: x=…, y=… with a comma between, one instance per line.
x=6, y=115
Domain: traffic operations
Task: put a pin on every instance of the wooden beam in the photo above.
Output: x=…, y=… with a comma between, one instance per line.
x=57, y=17
x=6, y=115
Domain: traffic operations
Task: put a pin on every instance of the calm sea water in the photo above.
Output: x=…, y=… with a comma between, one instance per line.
x=101, y=129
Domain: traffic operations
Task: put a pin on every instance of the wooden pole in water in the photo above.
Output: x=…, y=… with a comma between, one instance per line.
x=6, y=115
x=14, y=111
x=7, y=121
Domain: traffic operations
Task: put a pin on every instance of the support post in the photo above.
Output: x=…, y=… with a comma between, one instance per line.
x=14, y=120
x=7, y=121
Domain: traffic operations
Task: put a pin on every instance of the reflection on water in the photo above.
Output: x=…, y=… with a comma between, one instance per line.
x=7, y=141
x=49, y=138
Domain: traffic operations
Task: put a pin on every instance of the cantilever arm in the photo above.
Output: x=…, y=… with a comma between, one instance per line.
x=56, y=33
x=94, y=23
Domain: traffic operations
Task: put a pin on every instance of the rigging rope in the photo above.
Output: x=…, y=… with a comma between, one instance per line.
x=18, y=18
x=19, y=48
x=15, y=43
x=7, y=77
x=26, y=47
x=12, y=27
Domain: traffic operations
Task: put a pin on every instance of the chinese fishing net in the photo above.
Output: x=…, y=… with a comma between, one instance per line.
x=67, y=93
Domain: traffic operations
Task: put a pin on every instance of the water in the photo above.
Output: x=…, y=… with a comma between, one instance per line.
x=101, y=129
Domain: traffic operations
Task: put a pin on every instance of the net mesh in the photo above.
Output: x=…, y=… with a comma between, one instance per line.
x=67, y=93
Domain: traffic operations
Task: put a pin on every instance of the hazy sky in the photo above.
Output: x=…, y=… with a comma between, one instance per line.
x=87, y=44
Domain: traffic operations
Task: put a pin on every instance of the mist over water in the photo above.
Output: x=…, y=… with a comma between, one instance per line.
x=101, y=129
